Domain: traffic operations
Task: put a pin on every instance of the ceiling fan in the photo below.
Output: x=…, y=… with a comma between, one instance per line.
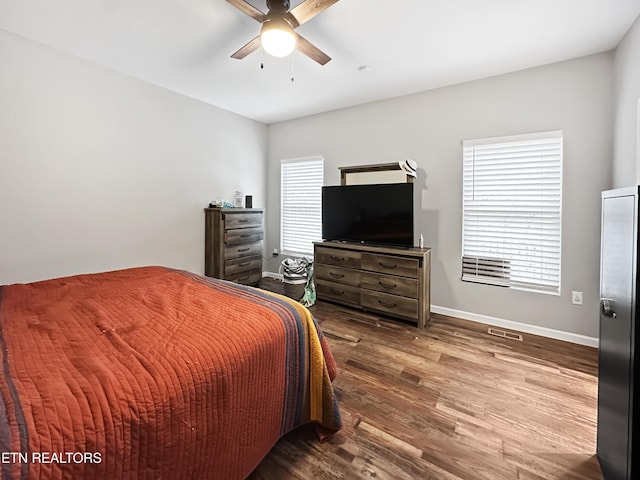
x=277, y=34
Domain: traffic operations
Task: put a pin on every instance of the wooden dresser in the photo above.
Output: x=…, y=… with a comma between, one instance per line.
x=233, y=244
x=392, y=281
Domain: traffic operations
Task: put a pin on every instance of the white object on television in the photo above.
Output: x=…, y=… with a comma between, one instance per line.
x=409, y=167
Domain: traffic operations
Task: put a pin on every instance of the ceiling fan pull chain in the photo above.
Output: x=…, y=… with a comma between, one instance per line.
x=292, y=77
x=261, y=58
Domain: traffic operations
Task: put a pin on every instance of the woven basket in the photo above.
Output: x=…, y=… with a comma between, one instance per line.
x=294, y=290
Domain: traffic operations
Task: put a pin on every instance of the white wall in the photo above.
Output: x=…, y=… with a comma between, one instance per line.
x=626, y=158
x=573, y=96
x=101, y=171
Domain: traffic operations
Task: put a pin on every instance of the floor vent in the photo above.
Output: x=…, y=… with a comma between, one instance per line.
x=504, y=334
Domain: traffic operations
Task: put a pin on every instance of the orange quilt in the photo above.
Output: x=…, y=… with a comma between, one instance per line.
x=154, y=373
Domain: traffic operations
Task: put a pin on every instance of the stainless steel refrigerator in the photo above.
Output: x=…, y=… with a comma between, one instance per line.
x=619, y=362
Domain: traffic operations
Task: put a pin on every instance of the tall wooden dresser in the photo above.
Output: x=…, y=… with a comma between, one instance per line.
x=391, y=281
x=233, y=244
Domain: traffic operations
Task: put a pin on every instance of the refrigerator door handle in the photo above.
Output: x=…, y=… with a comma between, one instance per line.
x=607, y=308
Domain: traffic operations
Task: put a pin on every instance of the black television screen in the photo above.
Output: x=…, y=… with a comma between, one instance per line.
x=375, y=214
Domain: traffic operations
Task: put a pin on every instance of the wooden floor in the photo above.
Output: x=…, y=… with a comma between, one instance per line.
x=448, y=402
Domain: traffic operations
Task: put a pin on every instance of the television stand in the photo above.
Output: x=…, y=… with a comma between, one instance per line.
x=388, y=280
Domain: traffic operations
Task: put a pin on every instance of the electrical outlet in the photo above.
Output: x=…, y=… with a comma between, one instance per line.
x=576, y=298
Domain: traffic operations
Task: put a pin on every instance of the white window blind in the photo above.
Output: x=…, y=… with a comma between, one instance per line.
x=512, y=192
x=301, y=204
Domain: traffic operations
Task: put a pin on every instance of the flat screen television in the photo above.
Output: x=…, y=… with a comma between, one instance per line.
x=374, y=214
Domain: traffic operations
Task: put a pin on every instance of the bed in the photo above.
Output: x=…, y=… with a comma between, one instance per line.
x=154, y=373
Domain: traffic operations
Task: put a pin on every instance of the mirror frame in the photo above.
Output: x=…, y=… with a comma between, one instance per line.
x=379, y=167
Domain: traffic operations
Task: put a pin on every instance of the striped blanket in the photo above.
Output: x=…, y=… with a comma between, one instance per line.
x=154, y=373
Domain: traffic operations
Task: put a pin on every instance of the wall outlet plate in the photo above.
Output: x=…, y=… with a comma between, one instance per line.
x=576, y=298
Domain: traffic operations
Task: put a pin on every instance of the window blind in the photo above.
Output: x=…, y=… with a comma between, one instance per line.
x=512, y=192
x=301, y=204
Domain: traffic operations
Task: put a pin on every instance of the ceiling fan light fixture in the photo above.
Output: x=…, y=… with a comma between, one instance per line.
x=277, y=37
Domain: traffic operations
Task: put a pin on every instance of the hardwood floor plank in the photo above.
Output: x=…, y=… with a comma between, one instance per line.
x=469, y=463
x=390, y=439
x=563, y=466
x=350, y=339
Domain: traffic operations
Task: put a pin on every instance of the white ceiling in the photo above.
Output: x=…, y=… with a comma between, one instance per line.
x=410, y=45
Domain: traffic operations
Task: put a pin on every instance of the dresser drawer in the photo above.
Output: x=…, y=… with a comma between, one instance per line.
x=406, y=267
x=338, y=274
x=242, y=220
x=337, y=257
x=246, y=278
x=242, y=250
x=243, y=235
x=392, y=304
x=242, y=264
x=405, y=287
x=338, y=292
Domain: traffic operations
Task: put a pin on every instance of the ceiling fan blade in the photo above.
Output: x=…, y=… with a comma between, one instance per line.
x=245, y=50
x=310, y=50
x=309, y=9
x=249, y=9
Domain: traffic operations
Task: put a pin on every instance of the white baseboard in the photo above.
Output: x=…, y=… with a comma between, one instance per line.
x=500, y=322
x=277, y=276
x=520, y=327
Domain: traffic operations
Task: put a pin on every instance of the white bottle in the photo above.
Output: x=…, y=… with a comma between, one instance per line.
x=421, y=241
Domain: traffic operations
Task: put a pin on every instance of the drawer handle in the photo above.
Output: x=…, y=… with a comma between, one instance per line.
x=239, y=279
x=387, y=305
x=244, y=264
x=386, y=265
x=244, y=249
x=337, y=259
x=243, y=220
x=336, y=292
x=336, y=275
x=245, y=235
x=387, y=285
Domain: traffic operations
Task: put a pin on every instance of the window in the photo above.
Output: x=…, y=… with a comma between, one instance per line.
x=512, y=191
x=301, y=204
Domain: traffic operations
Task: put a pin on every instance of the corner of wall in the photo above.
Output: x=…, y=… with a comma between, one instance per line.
x=626, y=95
